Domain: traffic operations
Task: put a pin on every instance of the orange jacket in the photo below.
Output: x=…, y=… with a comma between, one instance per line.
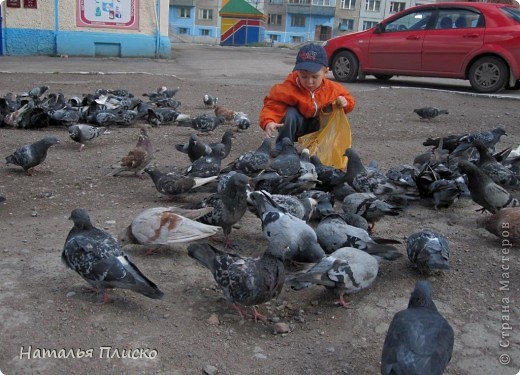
x=290, y=94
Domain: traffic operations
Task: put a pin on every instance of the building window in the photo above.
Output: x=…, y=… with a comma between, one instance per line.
x=183, y=30
x=348, y=4
x=301, y=2
x=346, y=25
x=296, y=39
x=184, y=12
x=205, y=32
x=369, y=24
x=372, y=5
x=206, y=14
x=273, y=37
x=274, y=19
x=324, y=3
x=396, y=6
x=298, y=20
x=279, y=2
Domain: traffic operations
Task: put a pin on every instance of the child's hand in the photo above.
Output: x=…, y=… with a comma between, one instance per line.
x=341, y=101
x=270, y=129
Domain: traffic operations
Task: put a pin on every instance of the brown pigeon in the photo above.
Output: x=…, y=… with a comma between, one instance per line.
x=138, y=158
x=504, y=224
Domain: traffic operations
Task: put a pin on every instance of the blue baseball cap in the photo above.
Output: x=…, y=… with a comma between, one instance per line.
x=311, y=57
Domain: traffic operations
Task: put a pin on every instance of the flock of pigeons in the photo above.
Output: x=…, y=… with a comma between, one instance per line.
x=309, y=241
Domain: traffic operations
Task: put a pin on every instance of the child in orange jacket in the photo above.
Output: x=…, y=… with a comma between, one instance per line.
x=293, y=106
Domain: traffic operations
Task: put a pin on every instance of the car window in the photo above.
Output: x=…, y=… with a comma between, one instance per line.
x=410, y=21
x=512, y=12
x=458, y=19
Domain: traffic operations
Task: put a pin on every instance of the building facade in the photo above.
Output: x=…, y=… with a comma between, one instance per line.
x=289, y=21
x=119, y=28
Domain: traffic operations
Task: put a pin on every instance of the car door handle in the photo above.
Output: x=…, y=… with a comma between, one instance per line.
x=473, y=35
x=413, y=37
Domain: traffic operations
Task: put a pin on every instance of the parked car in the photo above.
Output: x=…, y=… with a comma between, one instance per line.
x=479, y=42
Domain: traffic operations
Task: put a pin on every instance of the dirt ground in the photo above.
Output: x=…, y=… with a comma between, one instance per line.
x=43, y=305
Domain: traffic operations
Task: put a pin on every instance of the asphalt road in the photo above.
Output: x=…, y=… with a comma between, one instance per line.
x=229, y=65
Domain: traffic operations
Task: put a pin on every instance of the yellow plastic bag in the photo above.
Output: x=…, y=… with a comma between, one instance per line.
x=330, y=142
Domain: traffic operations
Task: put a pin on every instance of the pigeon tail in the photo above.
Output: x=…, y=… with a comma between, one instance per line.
x=141, y=284
x=387, y=252
x=205, y=254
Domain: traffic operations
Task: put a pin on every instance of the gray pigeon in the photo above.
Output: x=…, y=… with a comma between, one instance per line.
x=171, y=184
x=347, y=270
x=32, y=155
x=208, y=165
x=96, y=256
x=226, y=141
x=245, y=281
x=209, y=101
x=36, y=92
x=489, y=138
x=429, y=251
x=333, y=233
x=446, y=192
x=419, y=340
x=368, y=180
x=83, y=133
x=205, y=123
x=430, y=112
x=228, y=206
x=484, y=191
x=253, y=162
x=369, y=206
x=499, y=173
x=287, y=231
x=301, y=208
x=195, y=148
x=241, y=121
x=287, y=163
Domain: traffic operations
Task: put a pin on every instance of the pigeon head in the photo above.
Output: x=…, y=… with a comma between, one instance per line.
x=422, y=296
x=50, y=141
x=499, y=132
x=80, y=218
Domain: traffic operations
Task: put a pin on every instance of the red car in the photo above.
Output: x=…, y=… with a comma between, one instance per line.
x=479, y=42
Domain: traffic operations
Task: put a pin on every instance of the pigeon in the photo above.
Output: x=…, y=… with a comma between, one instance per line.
x=209, y=165
x=159, y=116
x=31, y=155
x=287, y=163
x=226, y=141
x=2, y=199
x=252, y=162
x=287, y=231
x=329, y=177
x=83, y=133
x=164, y=226
x=227, y=114
x=36, y=92
x=301, y=208
x=228, y=206
x=430, y=112
x=333, y=233
x=97, y=257
x=369, y=206
x=419, y=339
x=491, y=196
x=245, y=281
x=368, y=180
x=137, y=159
x=210, y=101
x=171, y=184
x=489, y=165
x=489, y=138
x=195, y=148
x=428, y=250
x=347, y=270
x=241, y=121
x=446, y=192
x=205, y=123
x=505, y=224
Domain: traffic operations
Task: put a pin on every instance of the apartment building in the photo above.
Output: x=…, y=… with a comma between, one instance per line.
x=288, y=21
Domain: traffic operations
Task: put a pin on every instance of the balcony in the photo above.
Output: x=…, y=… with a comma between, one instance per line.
x=328, y=11
x=183, y=3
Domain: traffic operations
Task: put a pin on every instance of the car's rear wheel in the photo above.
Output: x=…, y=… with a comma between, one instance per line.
x=383, y=77
x=488, y=74
x=345, y=67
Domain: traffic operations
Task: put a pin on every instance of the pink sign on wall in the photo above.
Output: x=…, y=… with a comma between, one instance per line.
x=117, y=14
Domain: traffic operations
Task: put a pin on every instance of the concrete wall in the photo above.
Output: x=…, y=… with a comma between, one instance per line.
x=51, y=29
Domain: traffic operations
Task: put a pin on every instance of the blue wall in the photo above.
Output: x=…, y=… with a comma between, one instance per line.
x=29, y=42
x=77, y=43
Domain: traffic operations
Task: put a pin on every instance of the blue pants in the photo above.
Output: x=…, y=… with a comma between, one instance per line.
x=295, y=125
